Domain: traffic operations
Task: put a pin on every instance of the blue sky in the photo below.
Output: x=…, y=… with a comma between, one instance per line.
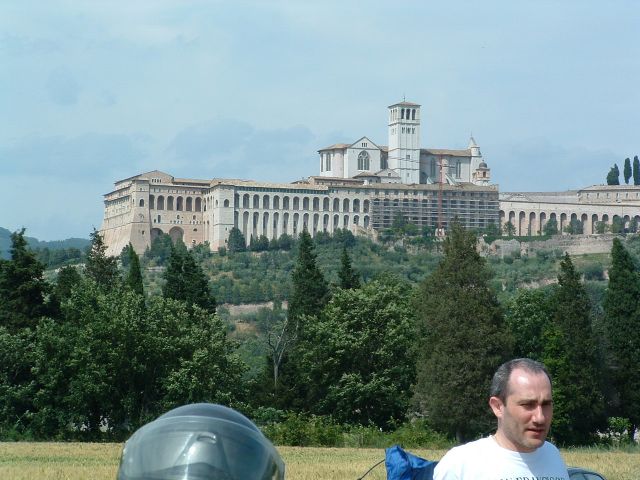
x=95, y=91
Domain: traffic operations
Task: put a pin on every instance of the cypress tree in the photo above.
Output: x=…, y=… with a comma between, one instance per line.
x=463, y=339
x=186, y=281
x=134, y=276
x=613, y=177
x=636, y=171
x=570, y=354
x=99, y=267
x=627, y=170
x=23, y=289
x=622, y=316
x=348, y=277
x=236, y=242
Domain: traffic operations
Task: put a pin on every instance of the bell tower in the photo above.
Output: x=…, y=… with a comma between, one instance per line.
x=404, y=141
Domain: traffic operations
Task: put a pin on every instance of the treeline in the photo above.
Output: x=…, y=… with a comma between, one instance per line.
x=93, y=355
x=629, y=172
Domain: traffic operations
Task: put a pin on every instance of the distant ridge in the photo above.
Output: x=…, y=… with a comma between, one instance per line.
x=5, y=243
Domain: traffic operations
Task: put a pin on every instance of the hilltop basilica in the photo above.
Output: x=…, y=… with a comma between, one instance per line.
x=361, y=186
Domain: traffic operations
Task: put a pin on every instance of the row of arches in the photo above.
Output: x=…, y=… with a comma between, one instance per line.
x=187, y=204
x=316, y=204
x=272, y=225
x=533, y=223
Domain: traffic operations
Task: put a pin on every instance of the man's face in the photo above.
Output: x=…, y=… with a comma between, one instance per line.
x=525, y=417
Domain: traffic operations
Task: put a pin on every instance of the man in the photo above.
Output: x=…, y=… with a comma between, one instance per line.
x=520, y=398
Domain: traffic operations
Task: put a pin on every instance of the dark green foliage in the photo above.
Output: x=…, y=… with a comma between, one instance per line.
x=636, y=171
x=23, y=290
x=348, y=277
x=259, y=245
x=160, y=249
x=236, y=241
x=622, y=317
x=571, y=356
x=99, y=267
x=613, y=177
x=185, y=280
x=527, y=315
x=617, y=225
x=133, y=278
x=309, y=288
x=602, y=227
x=551, y=227
x=574, y=227
x=357, y=358
x=463, y=339
x=285, y=242
x=509, y=229
x=68, y=278
x=627, y=170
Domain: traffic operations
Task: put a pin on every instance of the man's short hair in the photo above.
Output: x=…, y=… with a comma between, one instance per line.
x=500, y=382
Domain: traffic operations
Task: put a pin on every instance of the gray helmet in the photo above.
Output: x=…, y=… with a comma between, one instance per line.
x=200, y=442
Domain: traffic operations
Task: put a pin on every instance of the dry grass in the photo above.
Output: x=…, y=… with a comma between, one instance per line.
x=93, y=461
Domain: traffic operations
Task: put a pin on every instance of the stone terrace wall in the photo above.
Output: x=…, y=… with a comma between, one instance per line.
x=572, y=244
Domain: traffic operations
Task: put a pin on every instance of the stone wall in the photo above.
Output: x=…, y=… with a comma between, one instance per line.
x=572, y=244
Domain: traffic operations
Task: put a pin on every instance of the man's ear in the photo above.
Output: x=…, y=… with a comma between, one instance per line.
x=497, y=406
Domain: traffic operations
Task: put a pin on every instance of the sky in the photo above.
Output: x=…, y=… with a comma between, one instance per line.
x=92, y=92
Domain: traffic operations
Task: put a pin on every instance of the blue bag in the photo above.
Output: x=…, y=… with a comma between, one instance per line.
x=403, y=465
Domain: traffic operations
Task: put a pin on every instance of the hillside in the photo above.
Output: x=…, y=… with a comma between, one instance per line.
x=34, y=243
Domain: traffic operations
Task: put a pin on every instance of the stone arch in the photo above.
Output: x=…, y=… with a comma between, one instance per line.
x=265, y=202
x=563, y=222
x=256, y=201
x=152, y=202
x=265, y=224
x=356, y=205
x=169, y=203
x=325, y=204
x=316, y=222
x=296, y=203
x=356, y=219
x=198, y=204
x=594, y=222
x=533, y=225
x=336, y=222
x=305, y=222
x=179, y=204
x=176, y=233
x=285, y=222
x=160, y=202
x=141, y=202
x=245, y=225
x=254, y=225
x=336, y=205
x=325, y=222
x=346, y=221
x=275, y=231
x=345, y=205
x=226, y=203
x=365, y=206
x=189, y=204
x=236, y=218
x=285, y=203
x=542, y=222
x=316, y=204
x=365, y=222
x=521, y=228
x=296, y=222
x=305, y=203
x=276, y=202
x=245, y=200
x=586, y=226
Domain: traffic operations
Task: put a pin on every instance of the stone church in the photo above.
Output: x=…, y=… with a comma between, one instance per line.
x=360, y=186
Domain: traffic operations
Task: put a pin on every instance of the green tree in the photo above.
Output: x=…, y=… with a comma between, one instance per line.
x=134, y=275
x=622, y=313
x=359, y=356
x=613, y=177
x=185, y=280
x=99, y=267
x=602, y=227
x=349, y=278
x=23, y=289
x=551, y=227
x=570, y=354
x=509, y=229
x=574, y=228
x=310, y=290
x=160, y=249
x=236, y=241
x=463, y=339
x=68, y=278
x=617, y=224
x=527, y=315
x=627, y=170
x=636, y=171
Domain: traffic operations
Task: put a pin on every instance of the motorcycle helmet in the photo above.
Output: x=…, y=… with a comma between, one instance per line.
x=201, y=441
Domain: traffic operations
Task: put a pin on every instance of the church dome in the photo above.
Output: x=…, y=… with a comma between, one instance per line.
x=482, y=165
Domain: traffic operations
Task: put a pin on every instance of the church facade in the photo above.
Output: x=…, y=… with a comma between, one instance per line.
x=361, y=186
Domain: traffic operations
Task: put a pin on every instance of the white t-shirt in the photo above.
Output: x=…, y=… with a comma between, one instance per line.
x=486, y=460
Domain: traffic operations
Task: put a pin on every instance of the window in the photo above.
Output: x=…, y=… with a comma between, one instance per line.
x=363, y=161
x=328, y=165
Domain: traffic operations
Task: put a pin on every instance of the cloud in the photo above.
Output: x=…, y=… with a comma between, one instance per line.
x=235, y=149
x=88, y=155
x=538, y=164
x=62, y=87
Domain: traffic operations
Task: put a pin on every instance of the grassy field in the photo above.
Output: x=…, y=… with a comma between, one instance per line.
x=92, y=461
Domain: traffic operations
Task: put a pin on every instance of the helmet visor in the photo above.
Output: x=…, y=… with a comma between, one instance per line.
x=199, y=448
